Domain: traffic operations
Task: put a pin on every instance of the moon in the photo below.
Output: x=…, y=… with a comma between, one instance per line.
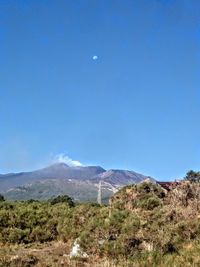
x=95, y=57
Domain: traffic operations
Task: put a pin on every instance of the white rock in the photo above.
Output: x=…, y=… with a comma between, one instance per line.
x=76, y=251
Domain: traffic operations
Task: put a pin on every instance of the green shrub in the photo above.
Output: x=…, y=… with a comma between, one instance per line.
x=131, y=225
x=62, y=199
x=149, y=202
x=2, y=198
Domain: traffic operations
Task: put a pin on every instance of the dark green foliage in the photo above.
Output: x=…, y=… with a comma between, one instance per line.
x=29, y=222
x=146, y=188
x=193, y=176
x=149, y=202
x=2, y=198
x=62, y=199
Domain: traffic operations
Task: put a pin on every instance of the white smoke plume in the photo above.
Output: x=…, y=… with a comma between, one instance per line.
x=67, y=160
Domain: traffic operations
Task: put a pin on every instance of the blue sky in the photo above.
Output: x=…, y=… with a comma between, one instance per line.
x=136, y=107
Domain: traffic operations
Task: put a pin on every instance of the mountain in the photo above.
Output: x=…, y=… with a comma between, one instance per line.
x=58, y=171
x=62, y=170
x=79, y=190
x=119, y=178
x=80, y=182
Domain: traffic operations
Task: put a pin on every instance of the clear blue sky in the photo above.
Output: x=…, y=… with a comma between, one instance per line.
x=136, y=107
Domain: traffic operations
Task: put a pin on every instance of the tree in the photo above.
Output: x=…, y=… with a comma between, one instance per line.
x=62, y=199
x=2, y=198
x=192, y=176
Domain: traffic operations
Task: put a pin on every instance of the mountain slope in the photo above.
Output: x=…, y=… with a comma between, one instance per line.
x=55, y=171
x=80, y=183
x=42, y=190
x=119, y=178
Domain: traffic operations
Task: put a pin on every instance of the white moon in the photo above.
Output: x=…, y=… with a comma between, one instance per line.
x=95, y=57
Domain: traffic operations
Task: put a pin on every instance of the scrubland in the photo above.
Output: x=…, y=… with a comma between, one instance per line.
x=143, y=225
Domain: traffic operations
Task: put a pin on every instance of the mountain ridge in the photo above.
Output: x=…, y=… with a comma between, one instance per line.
x=79, y=182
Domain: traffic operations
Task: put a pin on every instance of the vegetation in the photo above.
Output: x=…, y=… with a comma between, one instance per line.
x=144, y=225
x=193, y=176
x=2, y=198
x=44, y=190
x=62, y=199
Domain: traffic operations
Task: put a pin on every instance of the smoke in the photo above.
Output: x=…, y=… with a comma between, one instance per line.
x=63, y=158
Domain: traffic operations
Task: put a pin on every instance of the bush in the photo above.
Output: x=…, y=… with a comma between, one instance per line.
x=62, y=199
x=131, y=225
x=149, y=202
x=192, y=176
x=2, y=198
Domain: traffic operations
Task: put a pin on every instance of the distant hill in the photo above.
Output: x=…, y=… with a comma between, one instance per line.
x=80, y=183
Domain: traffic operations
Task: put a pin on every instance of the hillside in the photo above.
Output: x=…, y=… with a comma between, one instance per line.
x=84, y=191
x=80, y=183
x=120, y=178
x=144, y=225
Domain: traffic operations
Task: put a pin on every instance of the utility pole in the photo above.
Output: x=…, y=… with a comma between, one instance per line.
x=99, y=194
